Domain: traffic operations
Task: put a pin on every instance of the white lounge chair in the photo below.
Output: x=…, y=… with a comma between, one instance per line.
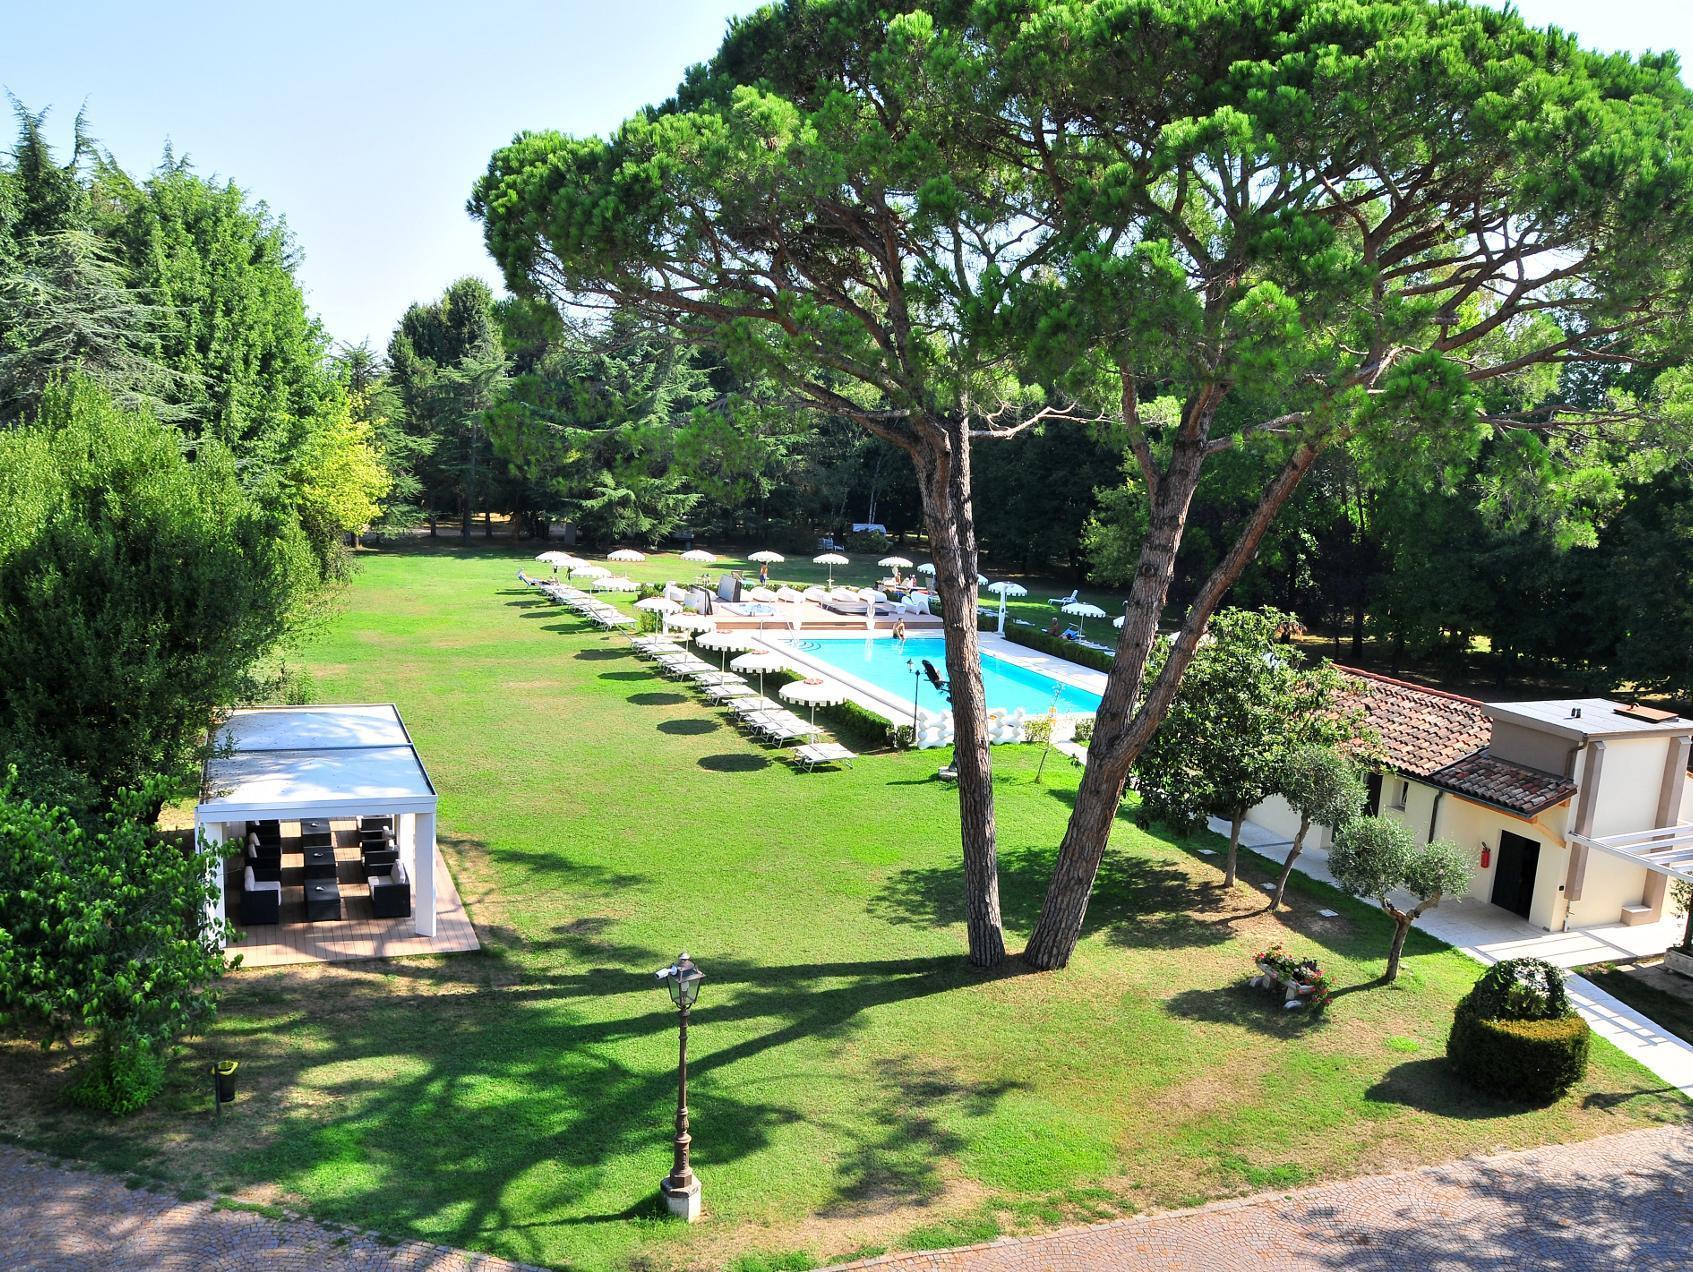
x=1061, y=601
x=815, y=753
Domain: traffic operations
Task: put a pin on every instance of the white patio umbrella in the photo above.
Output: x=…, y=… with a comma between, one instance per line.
x=1084, y=611
x=626, y=554
x=928, y=567
x=588, y=570
x=896, y=561
x=830, y=559
x=728, y=643
x=659, y=605
x=1006, y=588
x=698, y=554
x=617, y=583
x=760, y=661
x=765, y=554
x=690, y=622
x=819, y=693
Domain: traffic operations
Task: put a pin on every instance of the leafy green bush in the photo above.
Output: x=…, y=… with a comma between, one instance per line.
x=1521, y=989
x=868, y=542
x=138, y=590
x=1515, y=1034
x=105, y=934
x=1034, y=638
x=1038, y=729
x=1534, y=1061
x=1084, y=730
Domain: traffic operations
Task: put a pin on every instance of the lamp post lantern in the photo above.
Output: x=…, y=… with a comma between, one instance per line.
x=681, y=1187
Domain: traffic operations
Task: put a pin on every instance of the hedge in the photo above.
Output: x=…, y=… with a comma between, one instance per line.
x=1034, y=638
x=1534, y=1061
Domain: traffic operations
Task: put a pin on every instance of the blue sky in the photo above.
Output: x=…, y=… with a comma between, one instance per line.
x=365, y=124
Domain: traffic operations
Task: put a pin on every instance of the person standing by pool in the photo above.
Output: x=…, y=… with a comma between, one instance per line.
x=764, y=574
x=899, y=630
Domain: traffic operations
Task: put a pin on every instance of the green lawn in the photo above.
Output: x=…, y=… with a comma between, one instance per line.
x=855, y=1085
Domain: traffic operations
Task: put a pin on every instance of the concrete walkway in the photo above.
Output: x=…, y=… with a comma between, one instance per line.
x=54, y=1219
x=1617, y=1202
x=1488, y=934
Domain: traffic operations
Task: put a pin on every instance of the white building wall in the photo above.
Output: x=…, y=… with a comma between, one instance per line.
x=1629, y=785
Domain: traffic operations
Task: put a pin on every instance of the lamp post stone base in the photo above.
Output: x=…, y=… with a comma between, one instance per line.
x=683, y=1202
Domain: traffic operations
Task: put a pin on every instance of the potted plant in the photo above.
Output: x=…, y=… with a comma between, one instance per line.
x=1300, y=982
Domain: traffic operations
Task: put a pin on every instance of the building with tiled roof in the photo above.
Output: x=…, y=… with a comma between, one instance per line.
x=1578, y=811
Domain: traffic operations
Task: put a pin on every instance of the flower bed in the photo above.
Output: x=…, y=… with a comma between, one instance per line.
x=1300, y=982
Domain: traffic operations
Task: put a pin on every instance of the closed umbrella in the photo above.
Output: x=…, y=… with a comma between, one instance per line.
x=626, y=554
x=830, y=559
x=760, y=661
x=728, y=643
x=818, y=693
x=1005, y=589
x=1084, y=611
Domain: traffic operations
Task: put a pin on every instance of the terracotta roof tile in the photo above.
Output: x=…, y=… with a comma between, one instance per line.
x=1418, y=731
x=1505, y=784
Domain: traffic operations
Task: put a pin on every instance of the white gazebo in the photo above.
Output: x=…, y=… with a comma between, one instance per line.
x=332, y=762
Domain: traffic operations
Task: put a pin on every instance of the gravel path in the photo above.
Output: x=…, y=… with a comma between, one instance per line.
x=58, y=1219
x=1620, y=1202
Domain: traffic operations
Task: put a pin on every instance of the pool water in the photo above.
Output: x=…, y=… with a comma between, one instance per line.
x=882, y=662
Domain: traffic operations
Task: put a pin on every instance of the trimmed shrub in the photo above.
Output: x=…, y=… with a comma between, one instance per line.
x=1521, y=989
x=1535, y=1061
x=1516, y=1036
x=1034, y=638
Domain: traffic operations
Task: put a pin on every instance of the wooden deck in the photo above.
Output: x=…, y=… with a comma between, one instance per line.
x=357, y=935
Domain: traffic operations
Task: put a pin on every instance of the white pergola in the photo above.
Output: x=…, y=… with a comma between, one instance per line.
x=337, y=762
x=1666, y=849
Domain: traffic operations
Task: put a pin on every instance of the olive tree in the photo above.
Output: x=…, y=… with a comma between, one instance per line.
x=1376, y=857
x=1325, y=788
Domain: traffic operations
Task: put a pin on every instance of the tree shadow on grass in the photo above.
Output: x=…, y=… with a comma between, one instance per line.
x=600, y=655
x=689, y=728
x=658, y=699
x=1242, y=1005
x=1141, y=902
x=431, y=1106
x=1431, y=1085
x=734, y=762
x=626, y=675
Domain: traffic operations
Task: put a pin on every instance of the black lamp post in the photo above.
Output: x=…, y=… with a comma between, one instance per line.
x=681, y=1188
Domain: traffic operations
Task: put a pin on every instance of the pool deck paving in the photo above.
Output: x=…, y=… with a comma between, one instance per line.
x=1621, y=1201
x=57, y=1219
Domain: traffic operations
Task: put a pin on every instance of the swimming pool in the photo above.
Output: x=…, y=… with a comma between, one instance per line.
x=881, y=662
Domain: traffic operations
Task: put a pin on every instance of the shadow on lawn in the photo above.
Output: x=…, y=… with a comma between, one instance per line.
x=1245, y=1006
x=658, y=699
x=689, y=728
x=434, y=1101
x=734, y=762
x=1142, y=903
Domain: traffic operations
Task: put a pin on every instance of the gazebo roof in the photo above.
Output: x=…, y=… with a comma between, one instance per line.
x=318, y=761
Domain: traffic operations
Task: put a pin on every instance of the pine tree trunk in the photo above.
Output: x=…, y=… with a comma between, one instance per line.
x=1125, y=720
x=1293, y=851
x=944, y=479
x=1235, y=824
x=1401, y=929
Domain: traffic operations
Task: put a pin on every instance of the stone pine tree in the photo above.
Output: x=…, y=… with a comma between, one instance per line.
x=817, y=205
x=1376, y=857
x=1390, y=222
x=1390, y=225
x=1244, y=703
x=1325, y=788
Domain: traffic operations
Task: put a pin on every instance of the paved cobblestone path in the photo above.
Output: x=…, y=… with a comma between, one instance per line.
x=1623, y=1203
x=57, y=1220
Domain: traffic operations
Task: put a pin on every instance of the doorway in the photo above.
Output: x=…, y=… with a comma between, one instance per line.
x=1513, y=877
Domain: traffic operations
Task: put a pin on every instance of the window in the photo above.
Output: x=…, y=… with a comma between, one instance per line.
x=1401, y=793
